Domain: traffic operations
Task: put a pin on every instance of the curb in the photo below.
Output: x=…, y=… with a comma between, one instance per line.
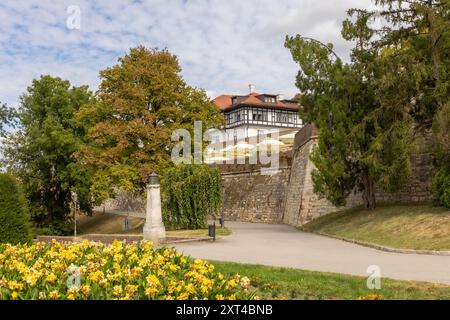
x=109, y=238
x=383, y=248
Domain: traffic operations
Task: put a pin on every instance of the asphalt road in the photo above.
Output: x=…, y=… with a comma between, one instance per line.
x=285, y=246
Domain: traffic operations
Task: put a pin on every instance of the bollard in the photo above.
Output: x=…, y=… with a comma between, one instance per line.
x=212, y=231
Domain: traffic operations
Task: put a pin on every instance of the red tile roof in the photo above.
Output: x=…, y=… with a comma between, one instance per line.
x=225, y=102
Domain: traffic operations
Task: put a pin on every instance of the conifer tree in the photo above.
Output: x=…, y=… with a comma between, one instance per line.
x=362, y=143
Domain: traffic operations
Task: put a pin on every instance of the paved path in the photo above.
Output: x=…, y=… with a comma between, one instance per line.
x=285, y=246
x=120, y=212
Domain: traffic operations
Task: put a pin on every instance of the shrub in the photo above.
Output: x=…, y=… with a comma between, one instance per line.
x=441, y=130
x=91, y=270
x=190, y=194
x=442, y=187
x=14, y=216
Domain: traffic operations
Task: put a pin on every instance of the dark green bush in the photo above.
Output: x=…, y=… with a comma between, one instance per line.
x=191, y=193
x=14, y=216
x=442, y=187
x=441, y=133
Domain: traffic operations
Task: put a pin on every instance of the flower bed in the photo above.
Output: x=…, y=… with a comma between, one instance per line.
x=91, y=270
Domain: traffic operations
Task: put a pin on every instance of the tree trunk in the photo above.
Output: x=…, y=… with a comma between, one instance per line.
x=368, y=191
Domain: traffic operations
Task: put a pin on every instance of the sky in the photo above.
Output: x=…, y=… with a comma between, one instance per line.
x=222, y=46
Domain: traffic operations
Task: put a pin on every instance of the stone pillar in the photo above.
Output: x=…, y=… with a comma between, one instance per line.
x=154, y=229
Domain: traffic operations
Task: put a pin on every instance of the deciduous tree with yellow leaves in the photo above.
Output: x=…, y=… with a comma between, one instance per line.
x=139, y=103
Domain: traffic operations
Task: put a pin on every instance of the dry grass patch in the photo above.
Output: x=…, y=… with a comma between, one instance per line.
x=106, y=223
x=420, y=227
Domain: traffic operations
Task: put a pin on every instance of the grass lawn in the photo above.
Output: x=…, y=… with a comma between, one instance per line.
x=106, y=223
x=286, y=283
x=418, y=227
x=198, y=233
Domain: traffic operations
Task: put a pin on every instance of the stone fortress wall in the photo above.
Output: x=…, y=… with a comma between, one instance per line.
x=287, y=196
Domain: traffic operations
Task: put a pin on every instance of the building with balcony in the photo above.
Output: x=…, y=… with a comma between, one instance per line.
x=256, y=114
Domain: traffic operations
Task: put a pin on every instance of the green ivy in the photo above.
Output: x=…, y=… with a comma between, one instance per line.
x=191, y=193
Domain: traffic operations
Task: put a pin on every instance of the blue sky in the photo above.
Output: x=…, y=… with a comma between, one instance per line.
x=222, y=46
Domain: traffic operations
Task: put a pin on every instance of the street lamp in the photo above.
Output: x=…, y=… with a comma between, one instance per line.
x=75, y=207
x=153, y=179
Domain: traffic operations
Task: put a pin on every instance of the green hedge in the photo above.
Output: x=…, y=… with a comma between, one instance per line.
x=191, y=193
x=442, y=187
x=14, y=215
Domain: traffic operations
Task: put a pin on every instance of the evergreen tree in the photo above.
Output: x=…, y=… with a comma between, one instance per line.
x=413, y=38
x=14, y=214
x=362, y=143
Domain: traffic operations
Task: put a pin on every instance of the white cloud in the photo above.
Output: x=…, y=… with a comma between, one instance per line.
x=221, y=45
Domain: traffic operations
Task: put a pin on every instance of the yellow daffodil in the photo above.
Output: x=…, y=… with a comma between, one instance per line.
x=51, y=277
x=53, y=295
x=117, y=290
x=120, y=270
x=85, y=289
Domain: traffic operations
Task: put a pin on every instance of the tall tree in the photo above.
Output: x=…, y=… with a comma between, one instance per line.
x=361, y=144
x=6, y=115
x=140, y=102
x=441, y=130
x=414, y=38
x=41, y=151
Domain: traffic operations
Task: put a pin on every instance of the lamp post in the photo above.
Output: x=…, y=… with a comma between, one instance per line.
x=154, y=229
x=75, y=208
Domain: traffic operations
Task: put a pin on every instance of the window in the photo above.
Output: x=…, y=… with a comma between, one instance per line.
x=235, y=136
x=257, y=116
x=270, y=99
x=289, y=118
x=260, y=115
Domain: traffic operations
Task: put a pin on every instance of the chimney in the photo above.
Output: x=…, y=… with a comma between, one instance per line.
x=251, y=88
x=280, y=97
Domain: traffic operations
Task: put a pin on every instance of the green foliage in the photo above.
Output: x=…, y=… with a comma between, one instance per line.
x=42, y=151
x=361, y=142
x=442, y=187
x=365, y=109
x=14, y=215
x=101, y=188
x=414, y=39
x=5, y=116
x=190, y=194
x=141, y=101
x=441, y=129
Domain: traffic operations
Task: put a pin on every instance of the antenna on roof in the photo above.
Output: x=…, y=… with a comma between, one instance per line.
x=251, y=88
